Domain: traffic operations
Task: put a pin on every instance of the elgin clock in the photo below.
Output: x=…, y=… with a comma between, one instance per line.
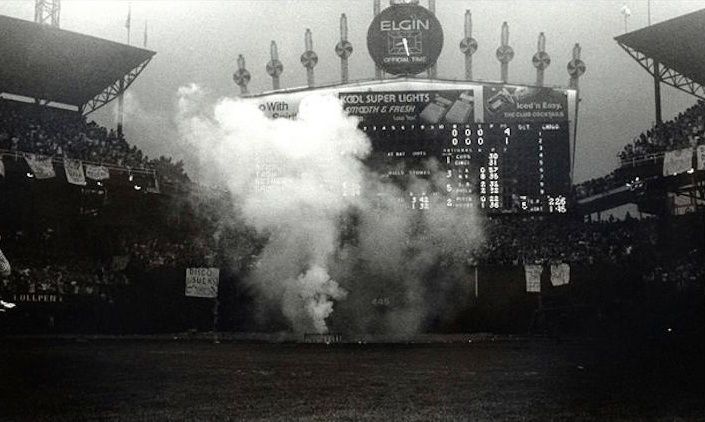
x=405, y=39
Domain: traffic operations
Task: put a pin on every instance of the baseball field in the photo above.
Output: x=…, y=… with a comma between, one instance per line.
x=487, y=379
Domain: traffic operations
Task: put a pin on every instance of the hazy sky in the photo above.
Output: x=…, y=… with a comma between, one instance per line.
x=198, y=41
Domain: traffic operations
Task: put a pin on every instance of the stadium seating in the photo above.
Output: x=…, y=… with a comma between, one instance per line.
x=687, y=129
x=645, y=154
x=98, y=258
x=27, y=128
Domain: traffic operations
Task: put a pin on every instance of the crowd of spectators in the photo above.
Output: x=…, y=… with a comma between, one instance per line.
x=158, y=253
x=58, y=133
x=683, y=273
x=44, y=264
x=70, y=277
x=508, y=241
x=518, y=241
x=687, y=129
x=27, y=128
x=597, y=186
x=41, y=266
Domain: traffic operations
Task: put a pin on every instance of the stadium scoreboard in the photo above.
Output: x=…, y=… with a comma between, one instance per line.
x=492, y=147
x=496, y=167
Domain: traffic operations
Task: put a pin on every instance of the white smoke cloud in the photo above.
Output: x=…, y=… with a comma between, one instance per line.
x=295, y=182
x=287, y=178
x=307, y=300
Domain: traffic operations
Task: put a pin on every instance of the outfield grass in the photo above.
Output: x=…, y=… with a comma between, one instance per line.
x=517, y=379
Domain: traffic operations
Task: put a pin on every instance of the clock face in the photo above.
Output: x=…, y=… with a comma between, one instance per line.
x=405, y=39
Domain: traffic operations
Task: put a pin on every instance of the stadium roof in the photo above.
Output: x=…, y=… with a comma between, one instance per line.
x=51, y=64
x=675, y=44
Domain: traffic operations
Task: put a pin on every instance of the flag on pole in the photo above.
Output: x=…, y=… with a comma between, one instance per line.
x=128, y=21
x=626, y=12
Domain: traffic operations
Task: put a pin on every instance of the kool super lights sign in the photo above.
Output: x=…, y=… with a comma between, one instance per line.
x=405, y=39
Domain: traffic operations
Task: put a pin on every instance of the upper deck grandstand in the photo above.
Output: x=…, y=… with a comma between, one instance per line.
x=666, y=51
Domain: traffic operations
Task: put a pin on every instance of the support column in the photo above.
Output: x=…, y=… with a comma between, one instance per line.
x=657, y=92
x=121, y=106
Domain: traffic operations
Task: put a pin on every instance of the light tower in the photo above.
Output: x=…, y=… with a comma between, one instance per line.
x=47, y=12
x=541, y=59
x=505, y=53
x=468, y=45
x=626, y=12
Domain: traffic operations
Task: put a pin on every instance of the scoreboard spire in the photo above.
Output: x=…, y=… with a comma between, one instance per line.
x=309, y=58
x=468, y=45
x=241, y=76
x=505, y=53
x=274, y=68
x=541, y=59
x=576, y=67
x=343, y=49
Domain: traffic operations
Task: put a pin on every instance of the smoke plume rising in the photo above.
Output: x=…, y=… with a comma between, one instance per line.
x=338, y=237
